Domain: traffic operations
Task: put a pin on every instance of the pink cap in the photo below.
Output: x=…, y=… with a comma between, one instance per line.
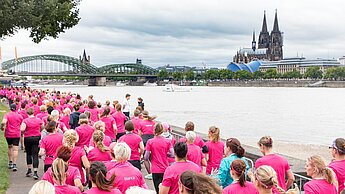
x=166, y=126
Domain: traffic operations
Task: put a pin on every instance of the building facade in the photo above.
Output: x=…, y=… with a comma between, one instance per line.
x=269, y=48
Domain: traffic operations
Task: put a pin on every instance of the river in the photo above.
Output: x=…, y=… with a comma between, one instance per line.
x=291, y=115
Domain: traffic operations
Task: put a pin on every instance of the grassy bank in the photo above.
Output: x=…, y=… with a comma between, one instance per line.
x=3, y=155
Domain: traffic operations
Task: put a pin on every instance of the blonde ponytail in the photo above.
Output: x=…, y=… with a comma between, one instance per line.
x=98, y=137
x=70, y=138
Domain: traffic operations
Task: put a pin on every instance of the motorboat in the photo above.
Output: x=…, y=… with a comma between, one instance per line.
x=150, y=84
x=176, y=88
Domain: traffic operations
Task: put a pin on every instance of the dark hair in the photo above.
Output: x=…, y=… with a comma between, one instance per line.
x=189, y=126
x=235, y=147
x=106, y=112
x=23, y=105
x=76, y=107
x=30, y=111
x=129, y=126
x=127, y=95
x=91, y=104
x=181, y=149
x=64, y=152
x=195, y=183
x=239, y=167
x=136, y=112
x=50, y=109
x=51, y=126
x=98, y=173
x=266, y=141
x=339, y=145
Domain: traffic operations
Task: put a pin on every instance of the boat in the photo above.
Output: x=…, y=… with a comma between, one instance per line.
x=121, y=84
x=176, y=88
x=150, y=84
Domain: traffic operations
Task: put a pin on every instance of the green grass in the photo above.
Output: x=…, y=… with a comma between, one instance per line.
x=4, y=182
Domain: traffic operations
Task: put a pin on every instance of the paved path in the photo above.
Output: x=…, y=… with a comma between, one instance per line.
x=20, y=184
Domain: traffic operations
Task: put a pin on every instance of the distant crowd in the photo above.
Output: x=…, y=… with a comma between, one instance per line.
x=89, y=147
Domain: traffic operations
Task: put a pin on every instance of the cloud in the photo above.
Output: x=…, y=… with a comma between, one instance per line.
x=192, y=32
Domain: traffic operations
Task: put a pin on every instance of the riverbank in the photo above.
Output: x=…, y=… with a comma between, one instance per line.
x=4, y=183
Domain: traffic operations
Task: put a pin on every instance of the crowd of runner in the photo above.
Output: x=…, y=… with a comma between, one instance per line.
x=88, y=147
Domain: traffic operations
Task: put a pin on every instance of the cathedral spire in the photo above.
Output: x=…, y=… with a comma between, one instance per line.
x=254, y=42
x=275, y=26
x=264, y=24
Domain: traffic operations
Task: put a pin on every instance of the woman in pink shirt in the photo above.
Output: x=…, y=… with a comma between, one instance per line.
x=167, y=135
x=100, y=184
x=43, y=112
x=277, y=162
x=65, y=117
x=215, y=149
x=120, y=120
x=78, y=156
x=239, y=185
x=12, y=120
x=136, y=121
x=323, y=178
x=93, y=111
x=265, y=179
x=100, y=126
x=126, y=175
x=49, y=144
x=59, y=172
x=135, y=142
x=194, y=152
x=147, y=127
x=158, y=149
x=73, y=174
x=198, y=140
x=32, y=127
x=338, y=162
x=84, y=131
x=99, y=152
x=110, y=124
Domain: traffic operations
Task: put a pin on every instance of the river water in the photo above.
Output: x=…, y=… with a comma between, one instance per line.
x=293, y=115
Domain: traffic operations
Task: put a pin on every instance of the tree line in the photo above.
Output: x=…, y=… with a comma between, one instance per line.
x=333, y=73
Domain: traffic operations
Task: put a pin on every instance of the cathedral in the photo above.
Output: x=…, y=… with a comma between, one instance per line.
x=269, y=48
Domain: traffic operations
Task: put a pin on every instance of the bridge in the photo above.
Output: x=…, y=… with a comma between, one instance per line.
x=60, y=65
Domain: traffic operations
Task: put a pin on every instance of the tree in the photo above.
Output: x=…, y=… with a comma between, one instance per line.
x=258, y=75
x=292, y=75
x=212, y=74
x=271, y=74
x=163, y=74
x=177, y=75
x=225, y=74
x=43, y=18
x=313, y=73
x=190, y=75
x=243, y=75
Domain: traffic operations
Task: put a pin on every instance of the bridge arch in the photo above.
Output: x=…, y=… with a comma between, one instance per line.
x=74, y=65
x=129, y=68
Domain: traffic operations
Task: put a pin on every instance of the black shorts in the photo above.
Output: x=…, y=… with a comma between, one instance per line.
x=135, y=163
x=13, y=141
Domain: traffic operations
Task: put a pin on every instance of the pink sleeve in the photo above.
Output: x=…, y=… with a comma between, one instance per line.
x=167, y=179
x=76, y=174
x=43, y=144
x=148, y=146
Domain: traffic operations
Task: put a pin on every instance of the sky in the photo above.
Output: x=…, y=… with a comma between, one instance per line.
x=189, y=32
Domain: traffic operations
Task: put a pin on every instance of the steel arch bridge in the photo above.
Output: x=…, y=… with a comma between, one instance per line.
x=130, y=68
x=74, y=66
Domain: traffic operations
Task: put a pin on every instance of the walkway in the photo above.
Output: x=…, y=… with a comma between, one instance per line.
x=20, y=184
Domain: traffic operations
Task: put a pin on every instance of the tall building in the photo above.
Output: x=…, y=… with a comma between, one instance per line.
x=269, y=48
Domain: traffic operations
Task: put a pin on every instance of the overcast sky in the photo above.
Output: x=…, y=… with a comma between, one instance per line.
x=190, y=32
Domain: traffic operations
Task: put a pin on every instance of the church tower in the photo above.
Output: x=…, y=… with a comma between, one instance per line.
x=276, y=42
x=264, y=37
x=254, y=42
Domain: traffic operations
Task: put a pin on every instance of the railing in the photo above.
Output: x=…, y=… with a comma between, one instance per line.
x=299, y=179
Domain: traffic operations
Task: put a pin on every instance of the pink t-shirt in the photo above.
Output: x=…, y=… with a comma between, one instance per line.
x=172, y=174
x=159, y=148
x=23, y=113
x=75, y=160
x=126, y=176
x=136, y=122
x=51, y=143
x=95, y=190
x=106, y=141
x=319, y=186
x=278, y=163
x=42, y=115
x=14, y=120
x=97, y=155
x=94, y=114
x=198, y=141
x=72, y=174
x=215, y=153
x=65, y=120
x=36, y=109
x=120, y=119
x=194, y=154
x=133, y=141
x=110, y=164
x=33, y=127
x=109, y=123
x=235, y=188
x=339, y=169
x=63, y=189
x=84, y=132
x=147, y=127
